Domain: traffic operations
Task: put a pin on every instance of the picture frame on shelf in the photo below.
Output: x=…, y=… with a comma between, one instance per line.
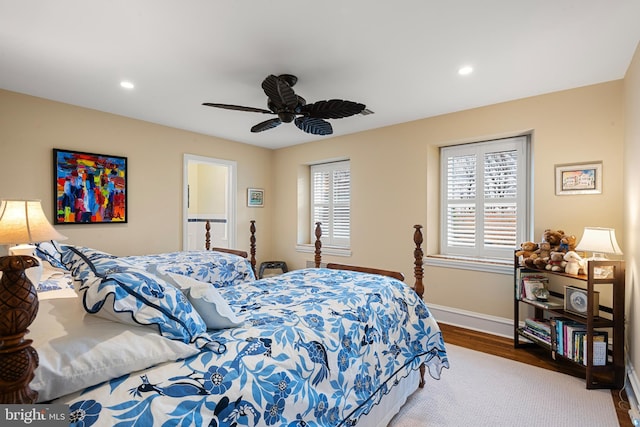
x=578, y=178
x=89, y=188
x=575, y=301
x=255, y=197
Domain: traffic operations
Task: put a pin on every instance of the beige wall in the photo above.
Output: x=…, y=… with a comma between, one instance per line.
x=395, y=179
x=632, y=209
x=31, y=127
x=395, y=184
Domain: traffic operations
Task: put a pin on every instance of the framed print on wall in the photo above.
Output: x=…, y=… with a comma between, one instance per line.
x=89, y=188
x=255, y=197
x=579, y=178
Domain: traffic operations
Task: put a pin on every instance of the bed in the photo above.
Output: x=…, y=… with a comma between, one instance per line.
x=331, y=346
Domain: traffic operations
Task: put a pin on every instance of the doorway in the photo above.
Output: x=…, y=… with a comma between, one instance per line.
x=209, y=194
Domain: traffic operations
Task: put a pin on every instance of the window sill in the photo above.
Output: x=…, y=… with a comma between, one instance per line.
x=467, y=263
x=326, y=250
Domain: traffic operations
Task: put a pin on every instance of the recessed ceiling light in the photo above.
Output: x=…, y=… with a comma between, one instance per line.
x=127, y=85
x=466, y=70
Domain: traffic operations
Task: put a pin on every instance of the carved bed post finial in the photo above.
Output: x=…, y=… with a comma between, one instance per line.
x=18, y=309
x=252, y=245
x=318, y=257
x=418, y=255
x=207, y=235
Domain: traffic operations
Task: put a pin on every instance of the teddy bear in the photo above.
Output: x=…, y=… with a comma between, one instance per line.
x=527, y=249
x=554, y=237
x=541, y=256
x=556, y=261
x=575, y=263
x=568, y=243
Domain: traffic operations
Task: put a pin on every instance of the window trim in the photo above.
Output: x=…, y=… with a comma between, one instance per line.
x=340, y=245
x=524, y=203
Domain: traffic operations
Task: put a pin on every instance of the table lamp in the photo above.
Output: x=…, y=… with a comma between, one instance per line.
x=599, y=241
x=22, y=223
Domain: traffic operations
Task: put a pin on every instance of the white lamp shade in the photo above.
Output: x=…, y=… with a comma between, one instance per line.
x=23, y=221
x=599, y=240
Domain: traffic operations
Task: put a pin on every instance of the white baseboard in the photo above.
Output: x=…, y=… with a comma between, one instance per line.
x=632, y=389
x=471, y=320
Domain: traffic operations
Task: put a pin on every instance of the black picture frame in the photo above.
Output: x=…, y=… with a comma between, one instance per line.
x=89, y=188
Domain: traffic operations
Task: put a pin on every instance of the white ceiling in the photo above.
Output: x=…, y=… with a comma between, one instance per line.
x=399, y=57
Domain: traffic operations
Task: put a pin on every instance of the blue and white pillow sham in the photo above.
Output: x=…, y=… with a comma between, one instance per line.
x=113, y=289
x=50, y=251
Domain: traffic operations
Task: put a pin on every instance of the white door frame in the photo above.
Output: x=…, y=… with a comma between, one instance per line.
x=231, y=196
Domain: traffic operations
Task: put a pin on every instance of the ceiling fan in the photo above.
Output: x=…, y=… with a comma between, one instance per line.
x=283, y=102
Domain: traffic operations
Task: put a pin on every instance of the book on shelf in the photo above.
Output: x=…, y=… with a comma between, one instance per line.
x=531, y=283
x=532, y=335
x=553, y=303
x=539, y=329
x=540, y=325
x=558, y=341
x=600, y=344
x=569, y=338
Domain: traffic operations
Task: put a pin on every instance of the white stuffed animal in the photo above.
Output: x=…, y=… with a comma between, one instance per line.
x=575, y=263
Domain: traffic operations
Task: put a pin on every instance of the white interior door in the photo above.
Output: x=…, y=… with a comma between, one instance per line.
x=209, y=194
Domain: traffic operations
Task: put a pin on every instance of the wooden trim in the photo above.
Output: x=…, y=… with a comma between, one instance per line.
x=390, y=273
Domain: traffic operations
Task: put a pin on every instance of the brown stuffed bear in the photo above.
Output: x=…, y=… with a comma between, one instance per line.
x=541, y=257
x=567, y=243
x=556, y=261
x=526, y=250
x=554, y=237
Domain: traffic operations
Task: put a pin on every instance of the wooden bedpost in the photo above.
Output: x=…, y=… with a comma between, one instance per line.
x=418, y=255
x=18, y=309
x=318, y=257
x=418, y=273
x=207, y=235
x=252, y=245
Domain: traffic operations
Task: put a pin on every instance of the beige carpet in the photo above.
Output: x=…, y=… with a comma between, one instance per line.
x=485, y=390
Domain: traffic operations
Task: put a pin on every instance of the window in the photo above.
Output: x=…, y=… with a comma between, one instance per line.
x=485, y=198
x=331, y=202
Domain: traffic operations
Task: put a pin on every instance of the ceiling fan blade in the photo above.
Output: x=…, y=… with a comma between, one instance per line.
x=332, y=109
x=238, y=108
x=314, y=125
x=266, y=125
x=280, y=93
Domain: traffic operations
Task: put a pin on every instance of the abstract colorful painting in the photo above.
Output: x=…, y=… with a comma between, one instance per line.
x=89, y=188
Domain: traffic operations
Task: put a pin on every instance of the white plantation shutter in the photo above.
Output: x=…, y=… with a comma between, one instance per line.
x=485, y=198
x=331, y=202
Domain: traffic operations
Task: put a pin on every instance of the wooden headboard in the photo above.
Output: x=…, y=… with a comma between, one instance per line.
x=252, y=244
x=418, y=255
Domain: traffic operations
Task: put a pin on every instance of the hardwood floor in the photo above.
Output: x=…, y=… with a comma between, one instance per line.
x=536, y=356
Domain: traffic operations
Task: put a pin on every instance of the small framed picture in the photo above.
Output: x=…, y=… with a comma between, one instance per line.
x=255, y=197
x=579, y=178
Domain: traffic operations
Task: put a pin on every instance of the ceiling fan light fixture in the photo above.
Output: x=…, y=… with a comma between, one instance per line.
x=286, y=117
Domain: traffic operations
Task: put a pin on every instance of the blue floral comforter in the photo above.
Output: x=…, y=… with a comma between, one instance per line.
x=219, y=268
x=319, y=348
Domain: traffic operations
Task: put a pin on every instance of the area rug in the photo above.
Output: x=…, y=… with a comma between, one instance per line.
x=484, y=390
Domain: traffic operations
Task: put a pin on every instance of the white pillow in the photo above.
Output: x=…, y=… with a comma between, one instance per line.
x=78, y=350
x=205, y=298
